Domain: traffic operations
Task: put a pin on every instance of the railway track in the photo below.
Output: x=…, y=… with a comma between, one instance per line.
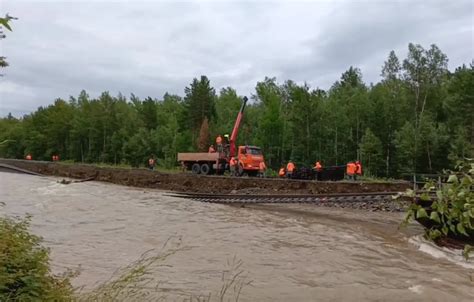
x=285, y=198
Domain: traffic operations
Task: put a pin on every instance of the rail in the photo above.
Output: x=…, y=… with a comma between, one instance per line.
x=285, y=198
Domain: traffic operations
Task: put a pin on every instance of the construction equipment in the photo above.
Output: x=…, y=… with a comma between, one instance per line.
x=248, y=157
x=330, y=173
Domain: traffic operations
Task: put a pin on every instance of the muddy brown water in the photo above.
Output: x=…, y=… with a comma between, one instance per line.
x=289, y=252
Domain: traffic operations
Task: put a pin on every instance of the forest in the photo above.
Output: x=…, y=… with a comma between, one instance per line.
x=418, y=118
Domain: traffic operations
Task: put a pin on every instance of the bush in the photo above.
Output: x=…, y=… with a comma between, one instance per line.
x=24, y=266
x=448, y=211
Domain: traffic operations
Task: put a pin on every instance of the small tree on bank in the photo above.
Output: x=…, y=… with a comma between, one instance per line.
x=203, y=140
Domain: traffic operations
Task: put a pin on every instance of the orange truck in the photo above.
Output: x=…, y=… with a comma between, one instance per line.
x=248, y=157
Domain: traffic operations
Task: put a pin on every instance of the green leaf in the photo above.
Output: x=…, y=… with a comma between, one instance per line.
x=439, y=195
x=425, y=197
x=434, y=234
x=435, y=217
x=466, y=180
x=4, y=22
x=409, y=193
x=460, y=228
x=421, y=213
x=452, y=228
x=445, y=230
x=453, y=179
x=468, y=249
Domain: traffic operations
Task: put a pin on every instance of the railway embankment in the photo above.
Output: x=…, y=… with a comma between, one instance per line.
x=187, y=182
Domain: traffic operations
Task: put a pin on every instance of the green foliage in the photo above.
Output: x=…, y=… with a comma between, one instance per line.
x=24, y=266
x=371, y=153
x=452, y=211
x=200, y=103
x=418, y=118
x=5, y=22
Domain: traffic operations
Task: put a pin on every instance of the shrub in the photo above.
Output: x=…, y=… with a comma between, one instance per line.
x=24, y=266
x=451, y=213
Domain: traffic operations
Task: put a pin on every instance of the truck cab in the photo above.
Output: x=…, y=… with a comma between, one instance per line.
x=249, y=159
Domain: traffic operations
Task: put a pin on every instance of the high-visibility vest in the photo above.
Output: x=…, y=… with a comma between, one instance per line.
x=318, y=166
x=358, y=169
x=351, y=168
x=28, y=157
x=211, y=149
x=151, y=161
x=281, y=172
x=262, y=166
x=232, y=162
x=290, y=167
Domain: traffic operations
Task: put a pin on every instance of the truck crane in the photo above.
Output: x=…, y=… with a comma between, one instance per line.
x=248, y=157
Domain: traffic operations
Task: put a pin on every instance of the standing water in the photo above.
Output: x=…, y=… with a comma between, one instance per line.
x=288, y=252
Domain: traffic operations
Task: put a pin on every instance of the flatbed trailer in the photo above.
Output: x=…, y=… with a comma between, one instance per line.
x=204, y=163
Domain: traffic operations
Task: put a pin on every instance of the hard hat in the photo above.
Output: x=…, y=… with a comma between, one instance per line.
x=226, y=135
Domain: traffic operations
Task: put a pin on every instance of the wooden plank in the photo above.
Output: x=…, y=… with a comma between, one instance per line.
x=198, y=156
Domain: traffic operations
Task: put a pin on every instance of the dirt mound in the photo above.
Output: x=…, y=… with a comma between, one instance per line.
x=186, y=182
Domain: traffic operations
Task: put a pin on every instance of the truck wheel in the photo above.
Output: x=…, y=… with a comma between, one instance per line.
x=205, y=169
x=196, y=168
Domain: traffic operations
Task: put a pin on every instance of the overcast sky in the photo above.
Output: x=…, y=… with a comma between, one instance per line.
x=58, y=48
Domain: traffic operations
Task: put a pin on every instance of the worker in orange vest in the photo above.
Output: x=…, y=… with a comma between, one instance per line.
x=282, y=172
x=151, y=163
x=211, y=149
x=318, y=166
x=232, y=166
x=290, y=168
x=358, y=171
x=261, y=169
x=28, y=157
x=351, y=170
x=319, y=169
x=219, y=143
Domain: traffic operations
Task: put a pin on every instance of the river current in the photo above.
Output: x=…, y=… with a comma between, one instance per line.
x=287, y=252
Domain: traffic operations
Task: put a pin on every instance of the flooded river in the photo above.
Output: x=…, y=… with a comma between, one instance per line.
x=288, y=252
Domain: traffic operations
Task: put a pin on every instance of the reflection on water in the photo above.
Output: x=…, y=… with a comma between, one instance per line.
x=290, y=252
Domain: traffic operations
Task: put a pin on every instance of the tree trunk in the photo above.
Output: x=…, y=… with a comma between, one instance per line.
x=307, y=136
x=90, y=146
x=103, y=150
x=472, y=138
x=335, y=146
x=82, y=152
x=429, y=157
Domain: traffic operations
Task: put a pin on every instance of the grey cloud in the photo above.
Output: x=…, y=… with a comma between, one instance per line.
x=59, y=48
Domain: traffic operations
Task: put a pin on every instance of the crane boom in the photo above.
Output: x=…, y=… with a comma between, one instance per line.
x=235, y=131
